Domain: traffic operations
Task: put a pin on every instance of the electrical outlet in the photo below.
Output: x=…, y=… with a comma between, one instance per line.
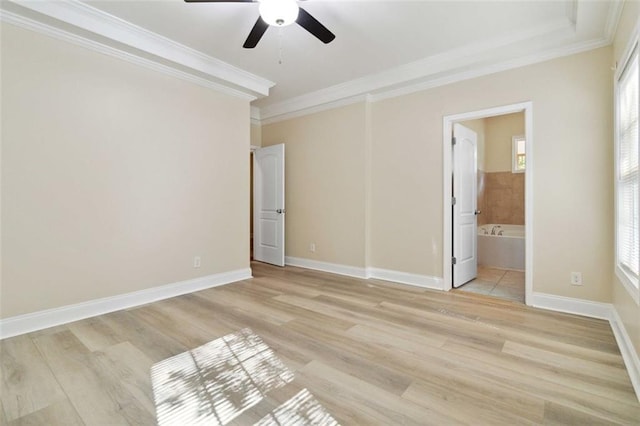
x=312, y=247
x=196, y=262
x=576, y=278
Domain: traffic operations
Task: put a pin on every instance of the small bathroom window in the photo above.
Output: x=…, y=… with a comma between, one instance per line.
x=519, y=154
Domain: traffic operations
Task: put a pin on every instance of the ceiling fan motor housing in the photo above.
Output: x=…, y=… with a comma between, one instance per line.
x=279, y=12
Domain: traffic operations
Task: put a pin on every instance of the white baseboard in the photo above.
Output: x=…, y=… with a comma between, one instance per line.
x=571, y=305
x=27, y=323
x=425, y=281
x=599, y=310
x=629, y=354
x=334, y=268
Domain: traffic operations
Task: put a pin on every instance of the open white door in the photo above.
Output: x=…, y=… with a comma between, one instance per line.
x=268, y=202
x=465, y=225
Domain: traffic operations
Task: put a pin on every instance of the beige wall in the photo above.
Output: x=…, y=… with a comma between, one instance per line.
x=571, y=120
x=572, y=114
x=113, y=176
x=498, y=146
x=501, y=192
x=325, y=183
x=624, y=304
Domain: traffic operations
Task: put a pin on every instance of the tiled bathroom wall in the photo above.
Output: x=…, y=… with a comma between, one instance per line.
x=500, y=192
x=501, y=198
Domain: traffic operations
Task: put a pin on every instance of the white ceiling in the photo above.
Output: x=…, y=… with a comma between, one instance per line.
x=379, y=46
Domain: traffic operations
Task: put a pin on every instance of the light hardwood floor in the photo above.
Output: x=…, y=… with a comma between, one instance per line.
x=370, y=352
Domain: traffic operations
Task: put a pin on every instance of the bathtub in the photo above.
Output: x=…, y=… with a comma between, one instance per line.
x=501, y=251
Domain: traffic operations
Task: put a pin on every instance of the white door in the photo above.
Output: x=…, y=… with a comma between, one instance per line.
x=465, y=225
x=268, y=201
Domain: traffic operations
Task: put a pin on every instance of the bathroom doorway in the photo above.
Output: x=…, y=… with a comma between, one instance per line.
x=488, y=202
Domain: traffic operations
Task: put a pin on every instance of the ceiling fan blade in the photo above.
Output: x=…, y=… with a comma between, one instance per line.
x=256, y=34
x=311, y=24
x=219, y=1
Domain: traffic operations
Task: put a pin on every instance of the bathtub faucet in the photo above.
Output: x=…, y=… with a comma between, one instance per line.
x=493, y=229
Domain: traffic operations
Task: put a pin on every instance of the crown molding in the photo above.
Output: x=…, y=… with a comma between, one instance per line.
x=490, y=69
x=469, y=62
x=30, y=24
x=335, y=97
x=422, y=70
x=130, y=39
x=304, y=110
x=92, y=28
x=611, y=26
x=255, y=113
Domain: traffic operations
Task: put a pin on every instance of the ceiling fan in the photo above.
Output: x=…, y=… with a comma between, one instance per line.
x=279, y=13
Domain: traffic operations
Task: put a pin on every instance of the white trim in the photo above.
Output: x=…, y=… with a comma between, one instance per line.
x=475, y=72
x=550, y=302
x=378, y=88
x=447, y=125
x=435, y=67
x=255, y=115
x=633, y=288
x=354, y=91
x=425, y=281
x=629, y=353
x=30, y=24
x=334, y=268
x=455, y=65
x=301, y=106
x=598, y=310
x=571, y=305
x=613, y=18
x=514, y=153
x=75, y=14
x=82, y=15
x=27, y=323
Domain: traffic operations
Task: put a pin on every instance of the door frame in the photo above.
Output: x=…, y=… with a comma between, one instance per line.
x=447, y=227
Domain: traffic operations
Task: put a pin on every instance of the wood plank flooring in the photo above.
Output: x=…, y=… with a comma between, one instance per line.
x=370, y=352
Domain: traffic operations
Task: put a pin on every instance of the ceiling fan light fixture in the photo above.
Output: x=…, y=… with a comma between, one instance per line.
x=279, y=12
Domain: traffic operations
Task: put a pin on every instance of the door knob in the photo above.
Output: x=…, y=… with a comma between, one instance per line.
x=280, y=211
x=477, y=212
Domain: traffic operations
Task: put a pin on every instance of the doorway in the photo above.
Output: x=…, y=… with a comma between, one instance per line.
x=466, y=215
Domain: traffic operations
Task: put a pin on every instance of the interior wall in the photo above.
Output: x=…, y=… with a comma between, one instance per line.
x=623, y=302
x=504, y=190
x=324, y=184
x=113, y=176
x=499, y=130
x=572, y=107
x=572, y=119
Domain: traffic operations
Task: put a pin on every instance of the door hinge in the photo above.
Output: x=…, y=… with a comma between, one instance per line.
x=453, y=261
x=453, y=140
x=453, y=201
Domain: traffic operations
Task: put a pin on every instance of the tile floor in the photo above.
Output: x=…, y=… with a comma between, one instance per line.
x=502, y=283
